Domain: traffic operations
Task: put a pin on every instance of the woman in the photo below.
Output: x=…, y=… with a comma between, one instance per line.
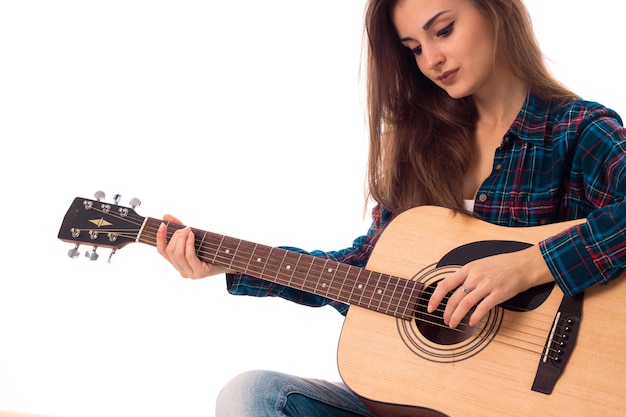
x=463, y=114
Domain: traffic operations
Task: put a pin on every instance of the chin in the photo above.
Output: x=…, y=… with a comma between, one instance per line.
x=457, y=95
x=453, y=91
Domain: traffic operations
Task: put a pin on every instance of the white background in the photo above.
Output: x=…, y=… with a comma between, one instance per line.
x=243, y=118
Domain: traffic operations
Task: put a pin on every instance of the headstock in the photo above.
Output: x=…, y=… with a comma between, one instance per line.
x=100, y=224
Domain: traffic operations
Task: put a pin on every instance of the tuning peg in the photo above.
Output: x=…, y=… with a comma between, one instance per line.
x=117, y=198
x=99, y=195
x=91, y=254
x=74, y=252
x=111, y=255
x=135, y=202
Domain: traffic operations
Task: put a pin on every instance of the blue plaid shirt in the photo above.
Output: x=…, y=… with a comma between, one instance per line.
x=555, y=163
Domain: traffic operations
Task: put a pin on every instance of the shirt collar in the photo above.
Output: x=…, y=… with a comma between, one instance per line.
x=532, y=120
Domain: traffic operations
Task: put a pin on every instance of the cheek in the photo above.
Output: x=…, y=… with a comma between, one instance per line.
x=418, y=63
x=422, y=68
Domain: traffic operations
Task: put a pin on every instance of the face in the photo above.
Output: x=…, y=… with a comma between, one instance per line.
x=452, y=41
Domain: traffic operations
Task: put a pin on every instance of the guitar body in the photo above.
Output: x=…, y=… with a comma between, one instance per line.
x=386, y=360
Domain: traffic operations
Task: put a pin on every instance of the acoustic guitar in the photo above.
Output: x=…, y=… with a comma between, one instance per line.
x=538, y=354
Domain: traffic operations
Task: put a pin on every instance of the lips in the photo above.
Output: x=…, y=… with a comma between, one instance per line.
x=448, y=76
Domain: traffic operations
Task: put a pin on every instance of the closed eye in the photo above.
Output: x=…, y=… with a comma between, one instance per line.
x=443, y=33
x=446, y=31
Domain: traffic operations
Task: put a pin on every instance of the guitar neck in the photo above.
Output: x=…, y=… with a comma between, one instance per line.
x=324, y=277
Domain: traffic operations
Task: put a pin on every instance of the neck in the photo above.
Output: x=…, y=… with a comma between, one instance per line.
x=501, y=105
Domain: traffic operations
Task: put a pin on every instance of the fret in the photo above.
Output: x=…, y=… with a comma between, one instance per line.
x=347, y=280
x=289, y=268
x=354, y=283
x=332, y=280
x=260, y=257
x=364, y=288
x=230, y=251
x=385, y=293
x=377, y=293
x=248, y=267
x=285, y=267
x=393, y=299
x=330, y=287
x=403, y=300
x=199, y=247
x=218, y=249
x=243, y=254
x=274, y=263
x=279, y=269
x=322, y=275
x=358, y=286
x=301, y=275
x=315, y=273
x=380, y=292
x=308, y=274
x=336, y=285
x=409, y=302
x=393, y=302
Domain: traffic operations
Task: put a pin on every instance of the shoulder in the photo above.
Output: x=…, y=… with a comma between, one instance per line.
x=579, y=114
x=569, y=119
x=590, y=128
x=546, y=122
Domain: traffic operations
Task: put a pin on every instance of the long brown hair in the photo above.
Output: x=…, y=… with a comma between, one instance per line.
x=421, y=139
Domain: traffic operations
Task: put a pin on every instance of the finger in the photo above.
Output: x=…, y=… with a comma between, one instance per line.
x=443, y=287
x=161, y=239
x=161, y=235
x=482, y=309
x=171, y=219
x=462, y=303
x=190, y=247
x=199, y=269
x=176, y=252
x=452, y=309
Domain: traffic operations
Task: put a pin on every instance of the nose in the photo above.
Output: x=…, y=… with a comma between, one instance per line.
x=432, y=57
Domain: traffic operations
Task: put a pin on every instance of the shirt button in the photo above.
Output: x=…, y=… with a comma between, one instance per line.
x=498, y=167
x=482, y=198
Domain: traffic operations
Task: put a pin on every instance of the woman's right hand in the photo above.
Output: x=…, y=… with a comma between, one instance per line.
x=181, y=252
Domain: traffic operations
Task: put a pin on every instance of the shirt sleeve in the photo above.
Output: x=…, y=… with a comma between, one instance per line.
x=357, y=255
x=594, y=252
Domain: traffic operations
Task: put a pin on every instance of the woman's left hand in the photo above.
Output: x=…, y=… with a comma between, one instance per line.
x=487, y=282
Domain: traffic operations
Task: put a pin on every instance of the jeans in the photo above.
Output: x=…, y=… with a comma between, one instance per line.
x=267, y=394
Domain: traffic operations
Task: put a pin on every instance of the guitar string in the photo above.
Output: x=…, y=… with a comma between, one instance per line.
x=540, y=338
x=539, y=345
x=230, y=264
x=224, y=261
x=278, y=271
x=432, y=316
x=151, y=231
x=436, y=273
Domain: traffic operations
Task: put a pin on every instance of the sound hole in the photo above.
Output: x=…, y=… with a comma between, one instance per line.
x=433, y=328
x=430, y=338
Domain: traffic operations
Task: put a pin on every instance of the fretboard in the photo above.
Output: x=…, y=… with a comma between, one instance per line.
x=324, y=277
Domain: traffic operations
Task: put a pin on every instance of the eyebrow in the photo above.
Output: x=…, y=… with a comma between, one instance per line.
x=428, y=24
